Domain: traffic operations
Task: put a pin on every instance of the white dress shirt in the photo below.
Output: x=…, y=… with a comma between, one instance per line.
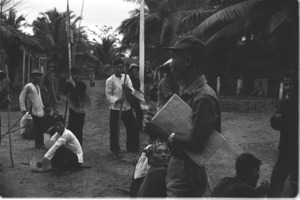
x=30, y=97
x=69, y=140
x=114, y=90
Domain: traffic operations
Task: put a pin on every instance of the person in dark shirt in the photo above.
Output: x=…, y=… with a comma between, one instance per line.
x=77, y=92
x=286, y=121
x=154, y=184
x=134, y=100
x=243, y=184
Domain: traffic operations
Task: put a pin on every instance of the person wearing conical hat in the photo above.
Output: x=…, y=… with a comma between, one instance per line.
x=31, y=101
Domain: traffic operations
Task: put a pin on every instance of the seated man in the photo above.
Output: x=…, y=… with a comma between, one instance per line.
x=244, y=183
x=154, y=184
x=65, y=151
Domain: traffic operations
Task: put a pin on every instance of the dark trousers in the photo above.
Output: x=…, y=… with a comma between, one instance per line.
x=75, y=125
x=286, y=164
x=132, y=134
x=135, y=104
x=64, y=158
x=38, y=130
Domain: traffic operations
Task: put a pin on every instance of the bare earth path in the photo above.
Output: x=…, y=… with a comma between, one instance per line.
x=244, y=131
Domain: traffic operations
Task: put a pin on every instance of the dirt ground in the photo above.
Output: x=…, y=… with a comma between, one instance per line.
x=244, y=131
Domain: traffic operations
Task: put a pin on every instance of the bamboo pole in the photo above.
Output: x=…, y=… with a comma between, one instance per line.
x=23, y=75
x=142, y=44
x=8, y=116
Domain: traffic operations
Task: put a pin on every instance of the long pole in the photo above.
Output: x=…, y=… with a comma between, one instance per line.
x=121, y=107
x=8, y=116
x=70, y=54
x=142, y=44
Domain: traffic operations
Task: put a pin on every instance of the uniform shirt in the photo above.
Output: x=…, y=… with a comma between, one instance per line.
x=234, y=187
x=31, y=95
x=69, y=140
x=114, y=91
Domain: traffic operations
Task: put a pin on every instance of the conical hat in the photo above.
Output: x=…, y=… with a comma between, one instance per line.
x=80, y=104
x=44, y=168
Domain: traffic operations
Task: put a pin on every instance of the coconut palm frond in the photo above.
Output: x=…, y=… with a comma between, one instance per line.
x=224, y=17
x=197, y=16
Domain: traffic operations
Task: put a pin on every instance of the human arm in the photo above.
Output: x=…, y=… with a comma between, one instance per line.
x=22, y=99
x=58, y=143
x=42, y=162
x=109, y=91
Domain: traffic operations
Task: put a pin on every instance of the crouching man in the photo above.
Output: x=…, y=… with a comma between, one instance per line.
x=66, y=152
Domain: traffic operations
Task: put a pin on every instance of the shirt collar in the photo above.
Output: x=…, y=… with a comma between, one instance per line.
x=195, y=85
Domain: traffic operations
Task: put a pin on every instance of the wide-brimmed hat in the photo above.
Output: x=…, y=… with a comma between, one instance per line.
x=188, y=43
x=2, y=74
x=133, y=65
x=36, y=71
x=44, y=168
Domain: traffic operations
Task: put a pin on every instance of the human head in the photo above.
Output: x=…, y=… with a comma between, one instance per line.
x=2, y=75
x=36, y=76
x=188, y=53
x=158, y=154
x=58, y=124
x=248, y=166
x=75, y=71
x=134, y=69
x=118, y=65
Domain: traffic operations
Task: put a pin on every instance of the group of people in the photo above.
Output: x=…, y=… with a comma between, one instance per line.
x=167, y=168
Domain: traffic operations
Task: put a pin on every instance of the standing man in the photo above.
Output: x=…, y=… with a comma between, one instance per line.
x=185, y=178
x=77, y=91
x=115, y=86
x=286, y=120
x=31, y=101
x=135, y=100
x=50, y=86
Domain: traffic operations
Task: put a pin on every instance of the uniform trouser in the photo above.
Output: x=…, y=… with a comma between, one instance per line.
x=135, y=104
x=185, y=179
x=64, y=158
x=38, y=130
x=132, y=134
x=286, y=164
x=75, y=125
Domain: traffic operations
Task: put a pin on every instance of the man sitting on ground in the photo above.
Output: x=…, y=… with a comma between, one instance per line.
x=154, y=184
x=244, y=183
x=65, y=151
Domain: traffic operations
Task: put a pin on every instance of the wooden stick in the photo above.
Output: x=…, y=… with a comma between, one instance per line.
x=8, y=116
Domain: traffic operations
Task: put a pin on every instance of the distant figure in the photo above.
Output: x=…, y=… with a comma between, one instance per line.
x=92, y=79
x=116, y=84
x=286, y=121
x=31, y=102
x=134, y=100
x=244, y=183
x=166, y=86
x=65, y=151
x=50, y=87
x=154, y=184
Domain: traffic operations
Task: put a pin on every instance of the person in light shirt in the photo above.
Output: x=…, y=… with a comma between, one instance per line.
x=114, y=93
x=65, y=151
x=31, y=101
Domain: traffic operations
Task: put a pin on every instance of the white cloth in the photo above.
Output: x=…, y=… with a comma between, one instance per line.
x=24, y=121
x=141, y=167
x=114, y=90
x=30, y=97
x=69, y=140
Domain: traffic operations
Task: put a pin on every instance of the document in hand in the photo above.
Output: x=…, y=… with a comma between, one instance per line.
x=176, y=116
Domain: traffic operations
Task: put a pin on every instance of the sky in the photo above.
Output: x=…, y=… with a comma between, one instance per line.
x=95, y=12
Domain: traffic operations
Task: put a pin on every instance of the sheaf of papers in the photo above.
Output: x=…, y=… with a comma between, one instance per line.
x=176, y=116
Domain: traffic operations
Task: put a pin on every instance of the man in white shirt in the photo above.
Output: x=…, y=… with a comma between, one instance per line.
x=31, y=101
x=114, y=93
x=65, y=151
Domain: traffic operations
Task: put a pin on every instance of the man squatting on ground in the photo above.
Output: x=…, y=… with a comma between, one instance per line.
x=31, y=101
x=184, y=177
x=65, y=150
x=77, y=90
x=114, y=93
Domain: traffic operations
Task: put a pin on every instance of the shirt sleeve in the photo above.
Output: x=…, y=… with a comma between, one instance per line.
x=22, y=98
x=109, y=91
x=51, y=152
